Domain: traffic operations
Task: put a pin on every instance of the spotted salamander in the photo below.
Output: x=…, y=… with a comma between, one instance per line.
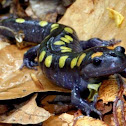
x=64, y=59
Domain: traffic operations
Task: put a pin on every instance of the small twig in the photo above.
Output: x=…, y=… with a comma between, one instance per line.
x=36, y=81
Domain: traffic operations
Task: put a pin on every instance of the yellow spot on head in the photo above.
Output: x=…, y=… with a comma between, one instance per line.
x=43, y=23
x=41, y=56
x=69, y=38
x=62, y=61
x=81, y=59
x=65, y=39
x=48, y=61
x=59, y=43
x=20, y=20
x=73, y=63
x=110, y=47
x=65, y=49
x=68, y=29
x=116, y=16
x=97, y=54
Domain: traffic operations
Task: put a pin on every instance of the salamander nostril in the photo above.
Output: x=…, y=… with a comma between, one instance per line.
x=113, y=54
x=120, y=49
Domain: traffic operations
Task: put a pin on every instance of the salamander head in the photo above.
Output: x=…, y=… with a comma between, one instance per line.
x=102, y=61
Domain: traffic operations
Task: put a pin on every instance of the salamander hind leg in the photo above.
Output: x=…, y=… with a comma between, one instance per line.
x=29, y=58
x=81, y=103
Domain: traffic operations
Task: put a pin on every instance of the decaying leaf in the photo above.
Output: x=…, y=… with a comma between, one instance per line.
x=69, y=120
x=108, y=90
x=89, y=121
x=104, y=108
x=26, y=113
x=15, y=83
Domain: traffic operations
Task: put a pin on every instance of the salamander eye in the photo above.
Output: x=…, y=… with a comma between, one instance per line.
x=120, y=49
x=96, y=61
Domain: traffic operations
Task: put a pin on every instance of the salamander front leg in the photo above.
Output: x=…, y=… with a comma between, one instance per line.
x=29, y=58
x=93, y=42
x=81, y=103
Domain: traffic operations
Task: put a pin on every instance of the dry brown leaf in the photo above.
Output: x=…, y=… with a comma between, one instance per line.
x=92, y=20
x=89, y=121
x=15, y=83
x=69, y=120
x=27, y=113
x=108, y=90
x=53, y=121
x=104, y=108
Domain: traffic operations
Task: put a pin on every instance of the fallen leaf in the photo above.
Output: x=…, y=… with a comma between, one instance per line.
x=69, y=120
x=89, y=121
x=92, y=20
x=116, y=16
x=108, y=90
x=26, y=113
x=104, y=108
x=15, y=83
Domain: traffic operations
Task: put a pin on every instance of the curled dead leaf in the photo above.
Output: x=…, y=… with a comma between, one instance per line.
x=26, y=113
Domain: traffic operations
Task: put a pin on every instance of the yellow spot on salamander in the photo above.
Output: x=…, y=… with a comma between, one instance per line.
x=48, y=61
x=73, y=63
x=69, y=38
x=43, y=23
x=81, y=59
x=62, y=61
x=54, y=26
x=97, y=54
x=42, y=55
x=110, y=47
x=65, y=49
x=59, y=43
x=116, y=16
x=65, y=39
x=69, y=30
x=20, y=20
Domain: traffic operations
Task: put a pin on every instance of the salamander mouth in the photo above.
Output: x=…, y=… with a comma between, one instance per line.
x=107, y=71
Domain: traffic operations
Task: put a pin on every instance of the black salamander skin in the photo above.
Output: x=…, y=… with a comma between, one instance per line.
x=65, y=60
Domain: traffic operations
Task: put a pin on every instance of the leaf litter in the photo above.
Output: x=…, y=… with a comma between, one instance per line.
x=94, y=21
